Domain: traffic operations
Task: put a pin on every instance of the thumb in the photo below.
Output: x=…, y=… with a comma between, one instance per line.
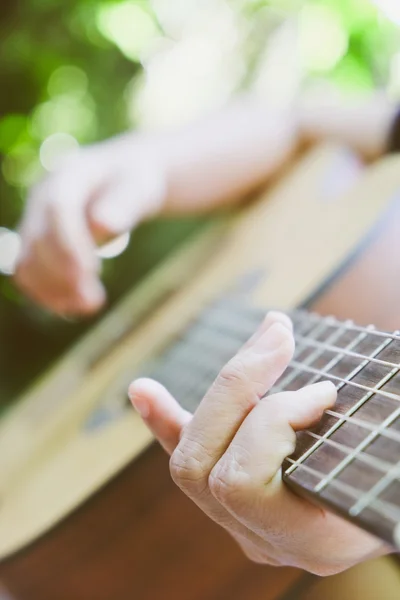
x=160, y=411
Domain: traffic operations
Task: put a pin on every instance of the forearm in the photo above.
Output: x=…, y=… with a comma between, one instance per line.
x=109, y=188
x=361, y=124
x=222, y=157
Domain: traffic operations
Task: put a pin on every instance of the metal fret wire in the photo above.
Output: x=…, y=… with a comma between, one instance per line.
x=355, y=453
x=376, y=463
x=391, y=435
x=374, y=492
x=320, y=328
x=352, y=327
x=344, y=380
x=336, y=359
x=388, y=509
x=355, y=407
x=324, y=346
x=197, y=386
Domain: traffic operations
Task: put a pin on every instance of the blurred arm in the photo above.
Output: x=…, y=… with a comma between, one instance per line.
x=107, y=189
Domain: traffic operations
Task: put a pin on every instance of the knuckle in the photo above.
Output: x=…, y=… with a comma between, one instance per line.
x=233, y=375
x=227, y=481
x=187, y=472
x=219, y=488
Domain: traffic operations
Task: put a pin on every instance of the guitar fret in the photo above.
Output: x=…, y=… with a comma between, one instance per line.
x=370, y=390
x=355, y=453
x=395, y=336
x=346, y=352
x=391, y=435
x=389, y=510
x=378, y=488
x=352, y=409
x=336, y=360
x=286, y=381
x=376, y=463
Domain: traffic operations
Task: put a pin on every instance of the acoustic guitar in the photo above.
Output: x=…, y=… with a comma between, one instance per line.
x=87, y=508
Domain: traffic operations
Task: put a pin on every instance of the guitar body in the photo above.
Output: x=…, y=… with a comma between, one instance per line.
x=88, y=510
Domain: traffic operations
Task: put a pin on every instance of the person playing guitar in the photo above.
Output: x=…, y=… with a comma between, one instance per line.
x=227, y=456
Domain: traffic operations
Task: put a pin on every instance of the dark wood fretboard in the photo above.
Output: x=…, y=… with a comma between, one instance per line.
x=351, y=460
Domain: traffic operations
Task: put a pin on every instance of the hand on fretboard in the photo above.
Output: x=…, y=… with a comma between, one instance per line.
x=352, y=458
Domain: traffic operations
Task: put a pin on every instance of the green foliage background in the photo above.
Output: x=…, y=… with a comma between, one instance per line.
x=37, y=38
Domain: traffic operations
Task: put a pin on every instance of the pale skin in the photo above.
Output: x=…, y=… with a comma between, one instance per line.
x=227, y=456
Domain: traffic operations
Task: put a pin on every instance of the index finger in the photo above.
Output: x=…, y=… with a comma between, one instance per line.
x=238, y=388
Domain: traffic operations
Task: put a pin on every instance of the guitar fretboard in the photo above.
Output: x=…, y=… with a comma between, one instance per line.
x=351, y=460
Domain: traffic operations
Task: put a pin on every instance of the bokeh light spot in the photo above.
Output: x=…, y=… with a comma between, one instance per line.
x=21, y=167
x=55, y=148
x=127, y=25
x=66, y=114
x=68, y=79
x=10, y=245
x=323, y=38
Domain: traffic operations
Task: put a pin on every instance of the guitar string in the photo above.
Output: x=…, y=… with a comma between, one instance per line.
x=389, y=434
x=190, y=358
x=360, y=422
x=345, y=351
x=372, y=495
x=377, y=431
x=333, y=321
x=379, y=464
x=323, y=373
x=320, y=328
x=392, y=435
x=307, y=317
x=336, y=471
x=388, y=509
x=323, y=346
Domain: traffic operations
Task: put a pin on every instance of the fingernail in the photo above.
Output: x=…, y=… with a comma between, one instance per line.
x=141, y=406
x=272, y=339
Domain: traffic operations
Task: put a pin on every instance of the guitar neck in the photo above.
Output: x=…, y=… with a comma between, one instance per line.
x=351, y=460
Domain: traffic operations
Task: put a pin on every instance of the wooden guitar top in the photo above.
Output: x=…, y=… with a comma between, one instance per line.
x=55, y=450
